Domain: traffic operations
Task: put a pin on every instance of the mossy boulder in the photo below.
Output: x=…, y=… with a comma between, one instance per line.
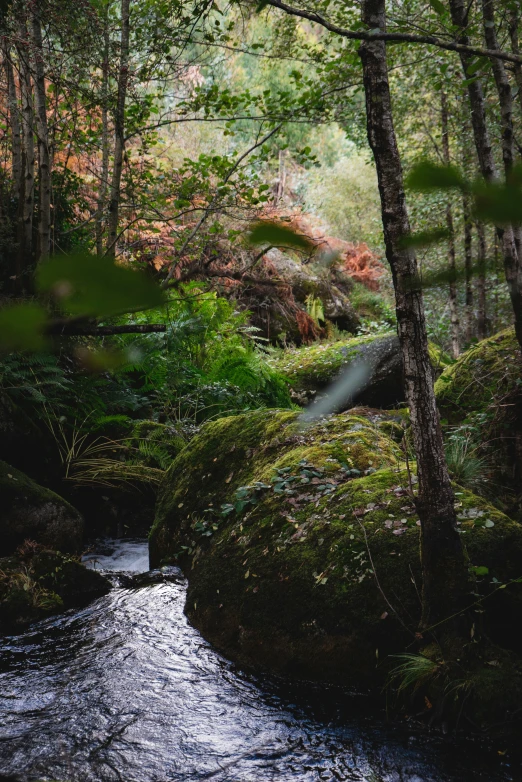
x=288, y=581
x=483, y=392
x=37, y=582
x=489, y=371
x=311, y=369
x=29, y=511
x=239, y=451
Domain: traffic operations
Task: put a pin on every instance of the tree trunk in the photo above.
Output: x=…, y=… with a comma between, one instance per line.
x=44, y=156
x=453, y=300
x=104, y=177
x=119, y=130
x=26, y=244
x=14, y=122
x=512, y=268
x=482, y=325
x=468, y=267
x=445, y=577
x=514, y=14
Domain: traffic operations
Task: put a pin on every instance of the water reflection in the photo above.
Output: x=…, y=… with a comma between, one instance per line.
x=126, y=690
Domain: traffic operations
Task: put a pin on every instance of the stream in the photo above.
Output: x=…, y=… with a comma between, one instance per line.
x=126, y=690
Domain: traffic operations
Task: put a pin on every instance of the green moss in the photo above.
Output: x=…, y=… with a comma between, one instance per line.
x=314, y=366
x=370, y=305
x=239, y=450
x=284, y=575
x=481, y=394
x=484, y=373
x=290, y=583
x=439, y=359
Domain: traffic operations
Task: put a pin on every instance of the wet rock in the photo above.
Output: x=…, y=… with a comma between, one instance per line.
x=38, y=582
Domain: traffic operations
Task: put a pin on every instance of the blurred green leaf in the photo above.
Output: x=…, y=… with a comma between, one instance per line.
x=445, y=276
x=428, y=176
x=437, y=6
x=425, y=238
x=101, y=360
x=499, y=204
x=22, y=327
x=93, y=286
x=277, y=235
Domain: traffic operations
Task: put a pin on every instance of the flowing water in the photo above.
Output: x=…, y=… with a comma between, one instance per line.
x=127, y=690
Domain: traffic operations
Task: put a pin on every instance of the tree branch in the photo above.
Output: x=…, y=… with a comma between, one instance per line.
x=365, y=35
x=71, y=328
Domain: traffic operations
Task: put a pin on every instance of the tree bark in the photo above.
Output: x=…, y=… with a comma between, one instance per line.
x=119, y=130
x=104, y=176
x=514, y=15
x=26, y=244
x=512, y=267
x=468, y=268
x=445, y=577
x=14, y=122
x=453, y=301
x=482, y=324
x=44, y=156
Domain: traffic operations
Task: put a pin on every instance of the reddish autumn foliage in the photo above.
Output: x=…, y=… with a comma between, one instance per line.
x=363, y=265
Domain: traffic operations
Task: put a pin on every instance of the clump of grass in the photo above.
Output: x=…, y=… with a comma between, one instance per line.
x=466, y=465
x=413, y=671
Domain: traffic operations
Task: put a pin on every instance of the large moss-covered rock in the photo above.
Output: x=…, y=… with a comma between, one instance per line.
x=30, y=511
x=249, y=449
x=303, y=574
x=484, y=389
x=311, y=369
x=484, y=374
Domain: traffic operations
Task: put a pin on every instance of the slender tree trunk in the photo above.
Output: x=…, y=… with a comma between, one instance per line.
x=512, y=267
x=26, y=245
x=468, y=267
x=445, y=576
x=453, y=300
x=514, y=16
x=104, y=177
x=482, y=325
x=119, y=130
x=44, y=156
x=14, y=122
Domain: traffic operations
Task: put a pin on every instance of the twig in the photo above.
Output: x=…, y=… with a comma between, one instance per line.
x=376, y=577
x=209, y=208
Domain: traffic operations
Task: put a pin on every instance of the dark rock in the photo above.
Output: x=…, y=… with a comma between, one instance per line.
x=29, y=511
x=311, y=369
